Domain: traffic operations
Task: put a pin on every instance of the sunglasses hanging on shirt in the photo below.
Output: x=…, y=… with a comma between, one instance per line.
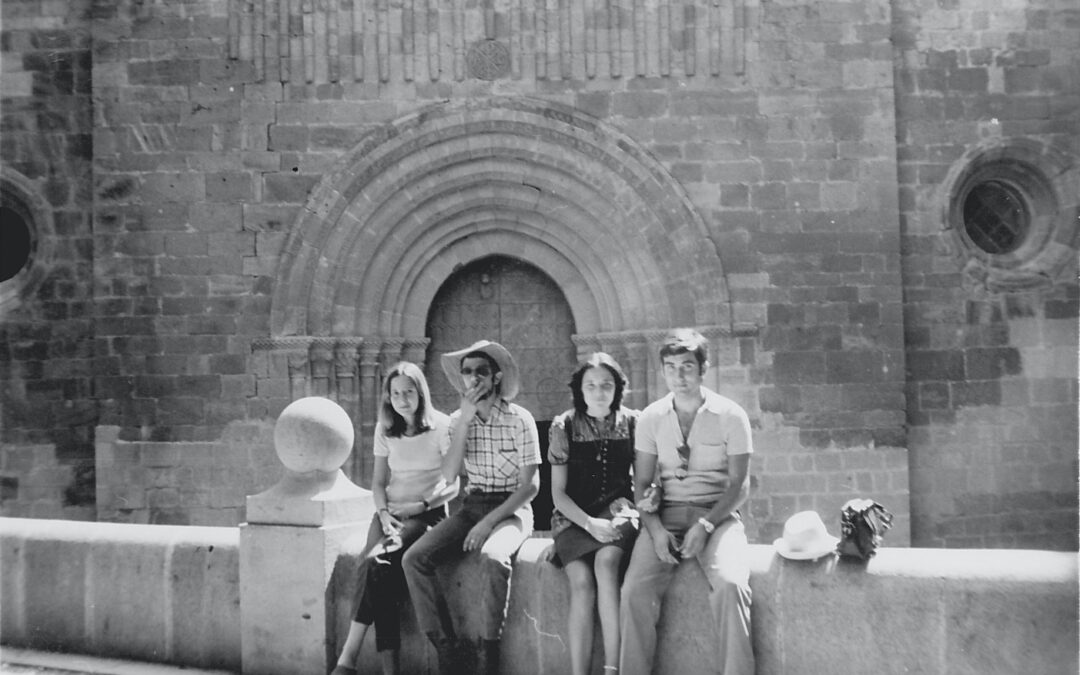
x=684, y=459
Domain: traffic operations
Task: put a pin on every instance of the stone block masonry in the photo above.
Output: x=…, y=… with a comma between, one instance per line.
x=47, y=402
x=991, y=391
x=250, y=206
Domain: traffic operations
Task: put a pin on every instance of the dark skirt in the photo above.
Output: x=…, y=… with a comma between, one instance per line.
x=574, y=543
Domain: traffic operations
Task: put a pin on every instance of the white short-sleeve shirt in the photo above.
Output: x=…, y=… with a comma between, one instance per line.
x=415, y=461
x=720, y=430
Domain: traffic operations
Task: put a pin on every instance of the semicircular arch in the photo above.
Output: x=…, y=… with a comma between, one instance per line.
x=534, y=180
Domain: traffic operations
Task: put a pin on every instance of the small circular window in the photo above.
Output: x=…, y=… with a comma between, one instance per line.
x=15, y=242
x=1016, y=225
x=26, y=238
x=996, y=217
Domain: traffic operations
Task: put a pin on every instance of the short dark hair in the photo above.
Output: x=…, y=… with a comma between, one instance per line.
x=598, y=360
x=686, y=341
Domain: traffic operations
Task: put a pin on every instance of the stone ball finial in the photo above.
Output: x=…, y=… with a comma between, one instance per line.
x=313, y=434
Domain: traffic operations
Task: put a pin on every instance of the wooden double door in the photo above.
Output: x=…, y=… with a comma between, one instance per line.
x=513, y=303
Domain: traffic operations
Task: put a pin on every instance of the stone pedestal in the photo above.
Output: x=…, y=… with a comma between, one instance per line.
x=291, y=541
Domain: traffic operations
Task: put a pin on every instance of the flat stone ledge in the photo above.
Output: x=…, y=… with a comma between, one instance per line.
x=907, y=610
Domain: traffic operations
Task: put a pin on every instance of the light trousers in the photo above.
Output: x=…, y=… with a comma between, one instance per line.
x=725, y=561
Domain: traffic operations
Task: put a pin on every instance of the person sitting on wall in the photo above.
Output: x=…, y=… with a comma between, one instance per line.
x=702, y=444
x=594, y=524
x=411, y=489
x=498, y=443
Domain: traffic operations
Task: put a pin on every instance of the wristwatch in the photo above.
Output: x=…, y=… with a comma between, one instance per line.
x=704, y=522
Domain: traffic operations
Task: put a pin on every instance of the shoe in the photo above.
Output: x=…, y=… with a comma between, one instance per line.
x=449, y=654
x=488, y=657
x=343, y=670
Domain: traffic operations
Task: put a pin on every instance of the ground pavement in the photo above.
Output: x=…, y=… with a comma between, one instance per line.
x=29, y=662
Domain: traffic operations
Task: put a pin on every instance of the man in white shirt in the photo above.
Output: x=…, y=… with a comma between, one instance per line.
x=701, y=443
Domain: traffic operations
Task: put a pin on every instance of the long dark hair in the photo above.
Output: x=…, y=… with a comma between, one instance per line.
x=598, y=360
x=390, y=420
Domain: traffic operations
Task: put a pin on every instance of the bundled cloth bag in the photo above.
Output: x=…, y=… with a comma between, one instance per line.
x=862, y=524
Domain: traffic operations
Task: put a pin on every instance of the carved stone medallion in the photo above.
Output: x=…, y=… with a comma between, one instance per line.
x=488, y=60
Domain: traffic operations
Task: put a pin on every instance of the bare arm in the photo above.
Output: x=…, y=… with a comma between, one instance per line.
x=663, y=541
x=737, y=493
x=380, y=477
x=738, y=489
x=450, y=483
x=455, y=456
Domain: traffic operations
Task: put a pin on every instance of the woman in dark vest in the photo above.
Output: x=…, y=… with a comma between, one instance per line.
x=594, y=524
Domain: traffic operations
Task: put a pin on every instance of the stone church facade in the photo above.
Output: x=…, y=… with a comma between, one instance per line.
x=869, y=207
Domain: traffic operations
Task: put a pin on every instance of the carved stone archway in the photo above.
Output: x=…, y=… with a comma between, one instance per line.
x=535, y=180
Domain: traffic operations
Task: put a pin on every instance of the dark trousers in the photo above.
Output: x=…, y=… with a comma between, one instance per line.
x=443, y=544
x=380, y=581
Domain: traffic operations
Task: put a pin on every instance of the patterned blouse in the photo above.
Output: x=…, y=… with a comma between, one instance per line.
x=600, y=459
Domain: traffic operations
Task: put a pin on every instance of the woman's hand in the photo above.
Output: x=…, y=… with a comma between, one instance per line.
x=391, y=526
x=601, y=530
x=548, y=554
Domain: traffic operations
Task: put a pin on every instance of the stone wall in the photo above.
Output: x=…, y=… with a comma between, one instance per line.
x=265, y=227
x=991, y=351
x=48, y=406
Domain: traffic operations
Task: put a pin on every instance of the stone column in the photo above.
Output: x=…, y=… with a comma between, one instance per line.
x=369, y=405
x=638, y=372
x=291, y=540
x=299, y=383
x=321, y=355
x=346, y=382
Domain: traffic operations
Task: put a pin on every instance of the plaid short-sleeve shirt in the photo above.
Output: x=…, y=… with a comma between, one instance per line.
x=497, y=448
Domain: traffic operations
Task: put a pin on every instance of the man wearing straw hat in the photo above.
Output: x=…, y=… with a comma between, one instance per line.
x=697, y=445
x=498, y=444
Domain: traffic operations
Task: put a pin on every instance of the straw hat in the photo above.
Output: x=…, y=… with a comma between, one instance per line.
x=805, y=538
x=511, y=380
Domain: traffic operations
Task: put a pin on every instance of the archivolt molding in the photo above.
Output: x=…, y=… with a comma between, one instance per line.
x=534, y=180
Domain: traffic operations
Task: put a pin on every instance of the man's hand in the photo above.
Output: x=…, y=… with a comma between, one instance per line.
x=479, y=533
x=665, y=544
x=471, y=397
x=694, y=541
x=650, y=501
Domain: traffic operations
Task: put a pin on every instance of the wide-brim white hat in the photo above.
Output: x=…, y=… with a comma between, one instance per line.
x=805, y=538
x=511, y=380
